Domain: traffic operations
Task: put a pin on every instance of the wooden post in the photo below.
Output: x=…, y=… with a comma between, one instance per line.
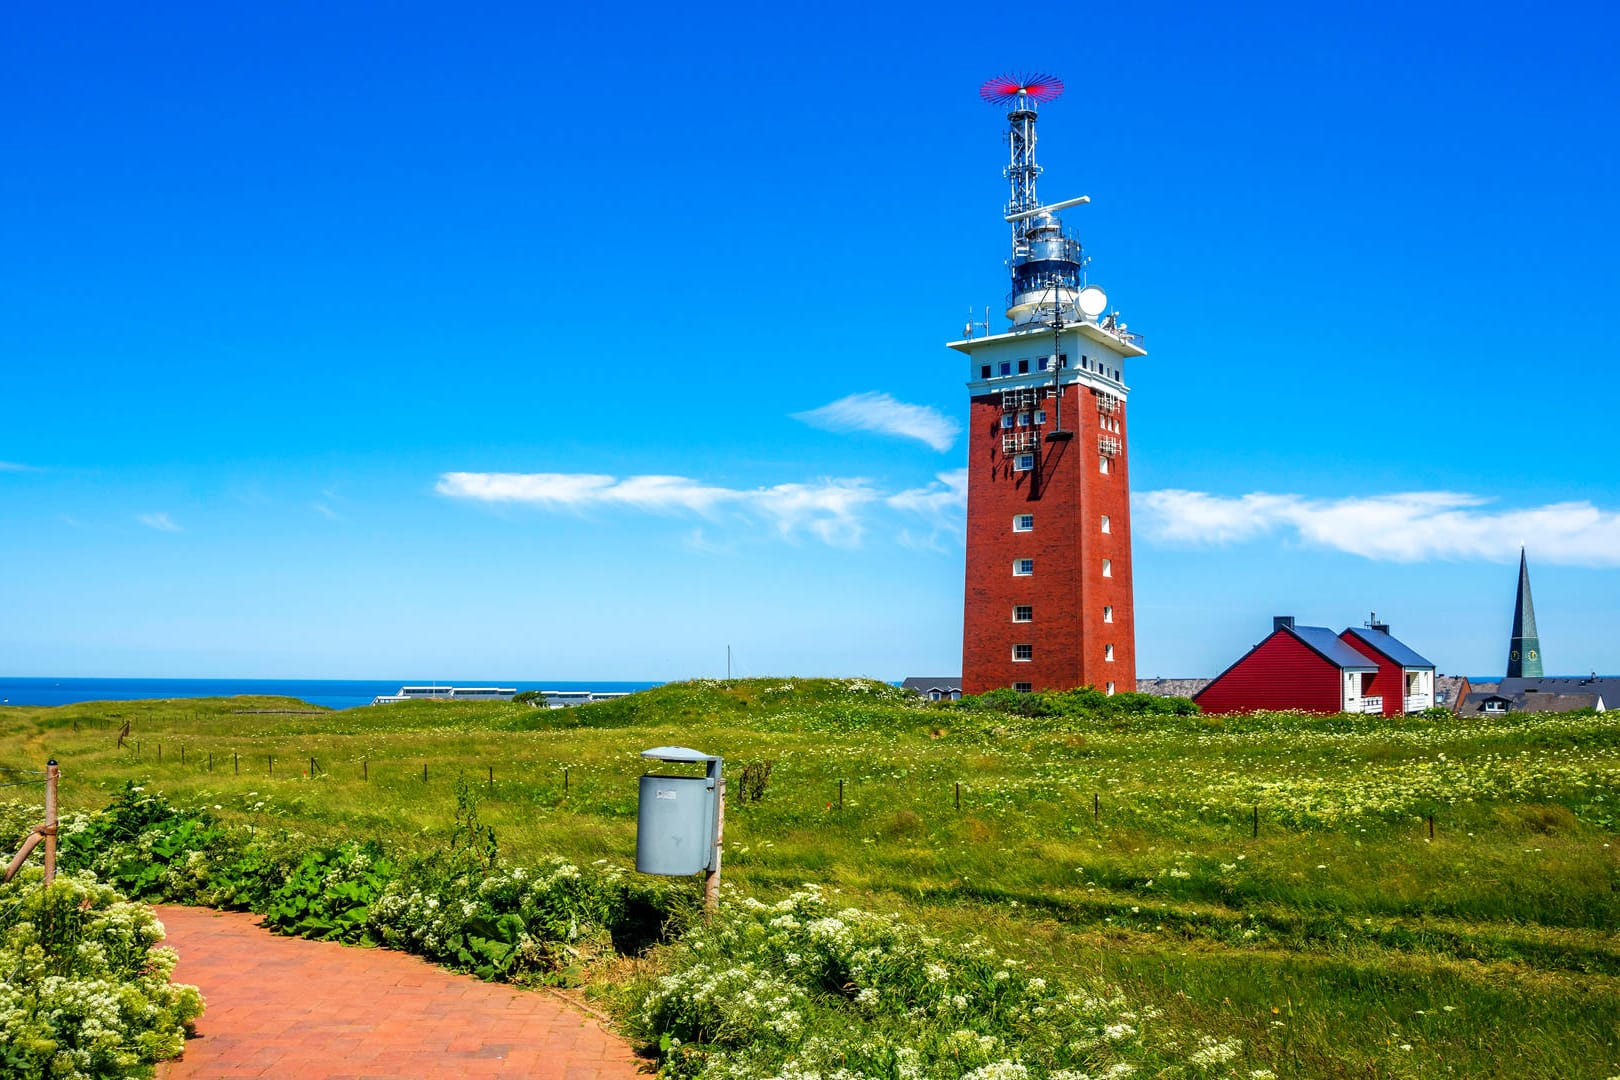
x=52, y=773
x=270, y=759
x=182, y=754
x=1431, y=826
x=236, y=762
x=492, y=776
x=711, y=880
x=1256, y=821
x=365, y=769
x=160, y=753
x=312, y=768
x=840, y=794
x=424, y=772
x=565, y=781
x=1096, y=807
x=959, y=794
x=210, y=761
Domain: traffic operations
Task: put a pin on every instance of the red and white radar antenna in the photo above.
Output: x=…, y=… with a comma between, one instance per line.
x=1010, y=89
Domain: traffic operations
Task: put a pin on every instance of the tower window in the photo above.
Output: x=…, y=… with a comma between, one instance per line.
x=1006, y=367
x=1024, y=613
x=1105, y=527
x=1108, y=568
x=1024, y=687
x=1023, y=419
x=1006, y=420
x=1025, y=463
x=1023, y=367
x=1108, y=652
x=1108, y=613
x=1110, y=690
x=1040, y=417
x=1023, y=567
x=984, y=371
x=1024, y=523
x=1027, y=652
x=1102, y=464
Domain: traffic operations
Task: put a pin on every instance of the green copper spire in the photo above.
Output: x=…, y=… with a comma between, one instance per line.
x=1524, y=652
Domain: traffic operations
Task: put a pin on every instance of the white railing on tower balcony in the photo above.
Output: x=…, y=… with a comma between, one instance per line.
x=1372, y=704
x=1108, y=445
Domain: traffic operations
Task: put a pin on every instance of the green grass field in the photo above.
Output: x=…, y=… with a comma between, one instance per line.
x=1269, y=878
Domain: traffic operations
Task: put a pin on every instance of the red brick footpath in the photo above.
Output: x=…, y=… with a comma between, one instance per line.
x=295, y=1010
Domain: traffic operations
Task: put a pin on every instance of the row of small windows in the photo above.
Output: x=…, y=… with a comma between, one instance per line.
x=1108, y=422
x=1026, y=613
x=1023, y=653
x=1026, y=523
x=1026, y=567
x=1029, y=688
x=1023, y=419
x=1044, y=363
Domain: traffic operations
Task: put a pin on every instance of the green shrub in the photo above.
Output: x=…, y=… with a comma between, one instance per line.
x=83, y=993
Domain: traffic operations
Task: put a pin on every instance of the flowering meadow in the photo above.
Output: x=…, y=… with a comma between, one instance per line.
x=1035, y=886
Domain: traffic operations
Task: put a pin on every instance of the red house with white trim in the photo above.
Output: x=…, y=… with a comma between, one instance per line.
x=1299, y=667
x=1404, y=682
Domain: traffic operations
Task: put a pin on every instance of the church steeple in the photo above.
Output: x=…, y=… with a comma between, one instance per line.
x=1524, y=651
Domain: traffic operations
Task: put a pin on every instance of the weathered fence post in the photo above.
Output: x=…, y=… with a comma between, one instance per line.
x=52, y=773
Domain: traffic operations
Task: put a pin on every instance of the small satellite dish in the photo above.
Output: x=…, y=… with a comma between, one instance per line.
x=1093, y=301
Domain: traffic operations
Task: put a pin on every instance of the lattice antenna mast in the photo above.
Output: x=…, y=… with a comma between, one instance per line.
x=1046, y=261
x=1021, y=94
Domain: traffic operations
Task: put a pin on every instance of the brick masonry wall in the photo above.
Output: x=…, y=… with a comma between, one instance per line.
x=1068, y=495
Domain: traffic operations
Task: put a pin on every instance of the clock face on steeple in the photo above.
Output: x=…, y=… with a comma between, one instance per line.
x=1532, y=654
x=1514, y=655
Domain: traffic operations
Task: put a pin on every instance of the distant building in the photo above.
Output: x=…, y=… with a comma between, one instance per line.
x=1313, y=669
x=1171, y=687
x=935, y=687
x=1547, y=694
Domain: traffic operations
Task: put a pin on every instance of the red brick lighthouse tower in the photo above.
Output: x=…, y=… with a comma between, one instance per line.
x=1048, y=599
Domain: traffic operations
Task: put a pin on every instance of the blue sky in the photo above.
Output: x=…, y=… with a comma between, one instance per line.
x=365, y=340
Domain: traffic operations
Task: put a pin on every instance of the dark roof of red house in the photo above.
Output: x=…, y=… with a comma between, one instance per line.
x=1326, y=643
x=1395, y=650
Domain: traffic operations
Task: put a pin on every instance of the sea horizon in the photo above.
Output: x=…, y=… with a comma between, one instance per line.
x=330, y=693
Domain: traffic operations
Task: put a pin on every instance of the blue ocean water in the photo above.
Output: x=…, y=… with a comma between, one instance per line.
x=332, y=693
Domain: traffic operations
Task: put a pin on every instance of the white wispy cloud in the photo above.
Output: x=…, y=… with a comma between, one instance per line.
x=17, y=466
x=942, y=505
x=1413, y=526
x=829, y=509
x=160, y=522
x=881, y=413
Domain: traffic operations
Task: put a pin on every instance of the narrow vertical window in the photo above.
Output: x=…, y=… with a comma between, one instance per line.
x=1110, y=689
x=1108, y=568
x=1105, y=527
x=1108, y=652
x=1102, y=464
x=1108, y=613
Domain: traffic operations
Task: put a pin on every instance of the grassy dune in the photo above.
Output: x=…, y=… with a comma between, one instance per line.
x=1269, y=878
